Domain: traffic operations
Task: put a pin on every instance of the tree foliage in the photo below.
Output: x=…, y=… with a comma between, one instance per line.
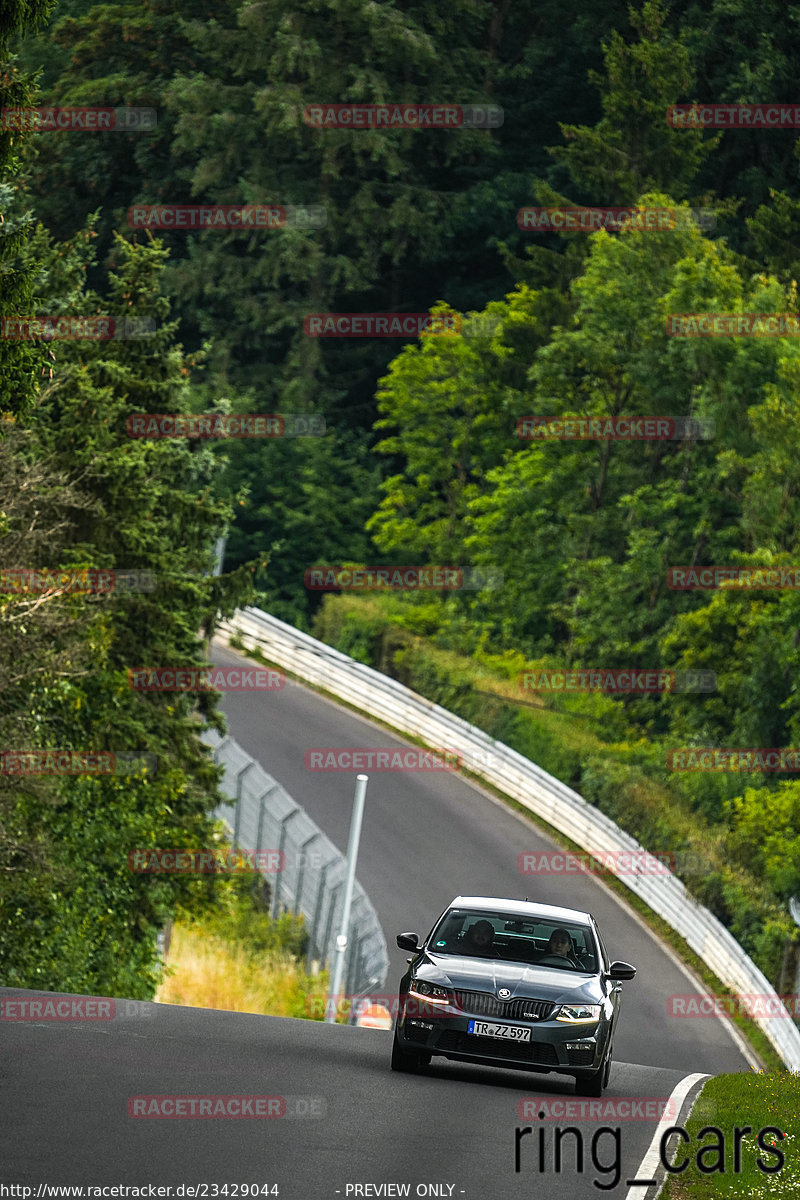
x=581, y=534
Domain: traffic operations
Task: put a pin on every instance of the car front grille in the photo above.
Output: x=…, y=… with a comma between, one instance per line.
x=465, y=1043
x=484, y=1004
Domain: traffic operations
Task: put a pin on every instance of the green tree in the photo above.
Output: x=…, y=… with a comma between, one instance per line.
x=584, y=530
x=452, y=404
x=766, y=835
x=145, y=506
x=744, y=52
x=20, y=362
x=411, y=215
x=120, y=55
x=304, y=502
x=633, y=149
x=43, y=639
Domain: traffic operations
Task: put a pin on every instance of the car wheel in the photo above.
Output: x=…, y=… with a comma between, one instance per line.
x=591, y=1085
x=406, y=1060
x=607, y=1074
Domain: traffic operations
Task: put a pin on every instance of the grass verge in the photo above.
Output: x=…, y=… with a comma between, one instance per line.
x=238, y=959
x=758, y=1101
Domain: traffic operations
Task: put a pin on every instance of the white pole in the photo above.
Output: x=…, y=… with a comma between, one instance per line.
x=352, y=855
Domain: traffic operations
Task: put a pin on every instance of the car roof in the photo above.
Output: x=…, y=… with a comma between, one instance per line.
x=523, y=908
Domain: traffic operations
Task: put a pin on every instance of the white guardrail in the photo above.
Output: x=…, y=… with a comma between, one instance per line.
x=516, y=776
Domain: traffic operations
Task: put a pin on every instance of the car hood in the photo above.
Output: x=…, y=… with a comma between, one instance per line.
x=529, y=982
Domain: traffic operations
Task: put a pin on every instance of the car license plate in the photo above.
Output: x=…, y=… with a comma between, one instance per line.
x=512, y=1033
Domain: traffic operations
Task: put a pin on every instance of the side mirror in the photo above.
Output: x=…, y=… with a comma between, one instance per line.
x=407, y=941
x=620, y=970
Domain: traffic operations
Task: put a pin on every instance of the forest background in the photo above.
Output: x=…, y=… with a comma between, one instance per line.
x=421, y=462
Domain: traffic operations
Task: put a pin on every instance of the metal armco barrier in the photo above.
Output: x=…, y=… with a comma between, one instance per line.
x=516, y=776
x=261, y=816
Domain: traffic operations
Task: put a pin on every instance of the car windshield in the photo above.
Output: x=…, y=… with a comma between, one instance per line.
x=562, y=945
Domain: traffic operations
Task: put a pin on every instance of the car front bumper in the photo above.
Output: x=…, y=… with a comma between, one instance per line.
x=577, y=1050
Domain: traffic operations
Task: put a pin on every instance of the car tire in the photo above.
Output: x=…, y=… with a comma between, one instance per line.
x=594, y=1085
x=607, y=1074
x=407, y=1060
x=590, y=1085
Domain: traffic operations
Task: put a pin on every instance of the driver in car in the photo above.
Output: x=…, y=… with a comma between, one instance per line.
x=561, y=944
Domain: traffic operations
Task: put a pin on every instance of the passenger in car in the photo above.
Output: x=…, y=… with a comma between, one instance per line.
x=479, y=938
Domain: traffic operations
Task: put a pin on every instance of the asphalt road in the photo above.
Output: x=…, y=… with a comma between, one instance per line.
x=351, y=1126
x=430, y=836
x=67, y=1086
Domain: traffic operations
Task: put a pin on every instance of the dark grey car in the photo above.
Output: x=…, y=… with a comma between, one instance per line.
x=511, y=983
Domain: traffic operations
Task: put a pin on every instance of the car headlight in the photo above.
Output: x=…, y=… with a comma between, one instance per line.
x=578, y=1014
x=429, y=992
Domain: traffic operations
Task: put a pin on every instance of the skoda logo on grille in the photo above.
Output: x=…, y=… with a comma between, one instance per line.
x=504, y=993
